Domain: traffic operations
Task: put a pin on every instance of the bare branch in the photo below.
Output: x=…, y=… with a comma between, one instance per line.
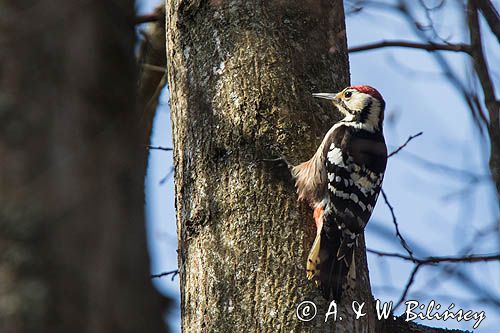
x=152, y=17
x=430, y=46
x=155, y=68
x=449, y=269
x=432, y=8
x=490, y=100
x=445, y=169
x=430, y=261
x=395, y=222
x=167, y=177
x=491, y=15
x=411, y=279
x=174, y=273
x=469, y=97
x=434, y=260
x=428, y=14
x=411, y=137
x=459, y=272
x=159, y=148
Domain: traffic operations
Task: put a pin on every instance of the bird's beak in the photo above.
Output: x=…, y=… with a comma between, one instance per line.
x=335, y=97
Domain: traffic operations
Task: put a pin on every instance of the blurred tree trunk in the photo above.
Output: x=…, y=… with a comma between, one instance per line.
x=241, y=74
x=72, y=238
x=153, y=69
x=490, y=100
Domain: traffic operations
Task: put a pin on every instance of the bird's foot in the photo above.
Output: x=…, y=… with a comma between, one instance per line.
x=279, y=162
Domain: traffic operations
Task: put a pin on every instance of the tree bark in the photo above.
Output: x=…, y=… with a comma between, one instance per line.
x=240, y=75
x=72, y=237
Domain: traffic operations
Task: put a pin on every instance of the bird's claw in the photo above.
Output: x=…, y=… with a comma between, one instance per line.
x=278, y=162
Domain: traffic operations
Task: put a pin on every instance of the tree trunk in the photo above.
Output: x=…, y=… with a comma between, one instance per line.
x=241, y=74
x=72, y=238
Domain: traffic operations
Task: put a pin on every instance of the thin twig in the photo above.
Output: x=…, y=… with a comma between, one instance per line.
x=395, y=222
x=411, y=137
x=159, y=148
x=491, y=15
x=431, y=26
x=146, y=18
x=430, y=261
x=476, y=110
x=435, y=260
x=465, y=301
x=430, y=46
x=446, y=169
x=167, y=177
x=155, y=68
x=432, y=8
x=174, y=273
x=154, y=98
x=408, y=285
x=449, y=269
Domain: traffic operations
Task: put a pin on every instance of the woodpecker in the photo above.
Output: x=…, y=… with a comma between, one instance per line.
x=342, y=182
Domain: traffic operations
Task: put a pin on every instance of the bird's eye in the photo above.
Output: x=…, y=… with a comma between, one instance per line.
x=347, y=94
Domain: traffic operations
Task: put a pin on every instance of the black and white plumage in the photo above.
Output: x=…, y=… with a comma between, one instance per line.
x=342, y=182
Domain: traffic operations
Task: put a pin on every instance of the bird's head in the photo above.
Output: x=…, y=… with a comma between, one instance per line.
x=362, y=104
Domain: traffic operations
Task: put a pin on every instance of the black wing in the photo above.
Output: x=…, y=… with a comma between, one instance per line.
x=355, y=164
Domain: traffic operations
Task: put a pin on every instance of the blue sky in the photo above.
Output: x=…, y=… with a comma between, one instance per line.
x=438, y=211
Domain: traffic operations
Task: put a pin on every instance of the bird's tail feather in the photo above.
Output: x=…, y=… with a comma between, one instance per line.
x=313, y=260
x=337, y=253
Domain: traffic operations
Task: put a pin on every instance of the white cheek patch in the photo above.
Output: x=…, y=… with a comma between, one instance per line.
x=357, y=102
